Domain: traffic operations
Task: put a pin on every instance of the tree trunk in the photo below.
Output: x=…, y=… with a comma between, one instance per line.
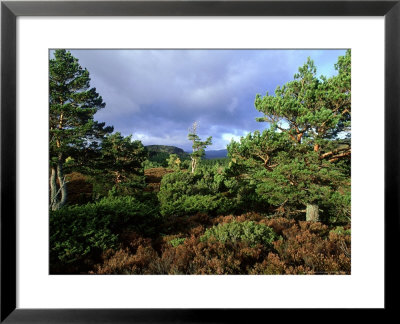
x=53, y=189
x=193, y=164
x=63, y=185
x=312, y=213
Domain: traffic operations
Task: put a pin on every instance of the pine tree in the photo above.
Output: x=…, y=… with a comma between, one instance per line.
x=198, y=146
x=121, y=157
x=72, y=105
x=174, y=162
x=301, y=160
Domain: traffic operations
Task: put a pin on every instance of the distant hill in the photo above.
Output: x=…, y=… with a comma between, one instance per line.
x=215, y=154
x=154, y=149
x=159, y=154
x=165, y=150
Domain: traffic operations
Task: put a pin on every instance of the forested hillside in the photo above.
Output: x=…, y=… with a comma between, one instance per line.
x=158, y=155
x=153, y=149
x=279, y=203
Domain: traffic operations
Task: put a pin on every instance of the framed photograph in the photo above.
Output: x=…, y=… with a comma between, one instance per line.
x=163, y=159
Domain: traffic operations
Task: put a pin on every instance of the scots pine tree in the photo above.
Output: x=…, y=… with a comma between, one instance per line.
x=174, y=162
x=72, y=105
x=121, y=160
x=303, y=159
x=198, y=146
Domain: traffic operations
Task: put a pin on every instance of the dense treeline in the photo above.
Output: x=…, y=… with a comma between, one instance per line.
x=279, y=204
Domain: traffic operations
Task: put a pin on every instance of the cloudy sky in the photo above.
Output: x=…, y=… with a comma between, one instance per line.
x=156, y=95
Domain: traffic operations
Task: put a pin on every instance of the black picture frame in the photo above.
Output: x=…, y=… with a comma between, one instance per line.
x=10, y=10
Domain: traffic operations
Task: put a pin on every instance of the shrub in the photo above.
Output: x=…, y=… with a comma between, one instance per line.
x=124, y=262
x=185, y=193
x=184, y=224
x=338, y=207
x=213, y=257
x=151, y=164
x=317, y=228
x=77, y=233
x=177, y=241
x=305, y=251
x=139, y=214
x=247, y=231
x=189, y=205
x=79, y=189
x=174, y=162
x=103, y=186
x=272, y=265
x=279, y=224
x=177, y=184
x=251, y=216
x=83, y=232
x=339, y=230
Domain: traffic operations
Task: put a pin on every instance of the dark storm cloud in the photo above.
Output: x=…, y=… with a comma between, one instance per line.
x=157, y=94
